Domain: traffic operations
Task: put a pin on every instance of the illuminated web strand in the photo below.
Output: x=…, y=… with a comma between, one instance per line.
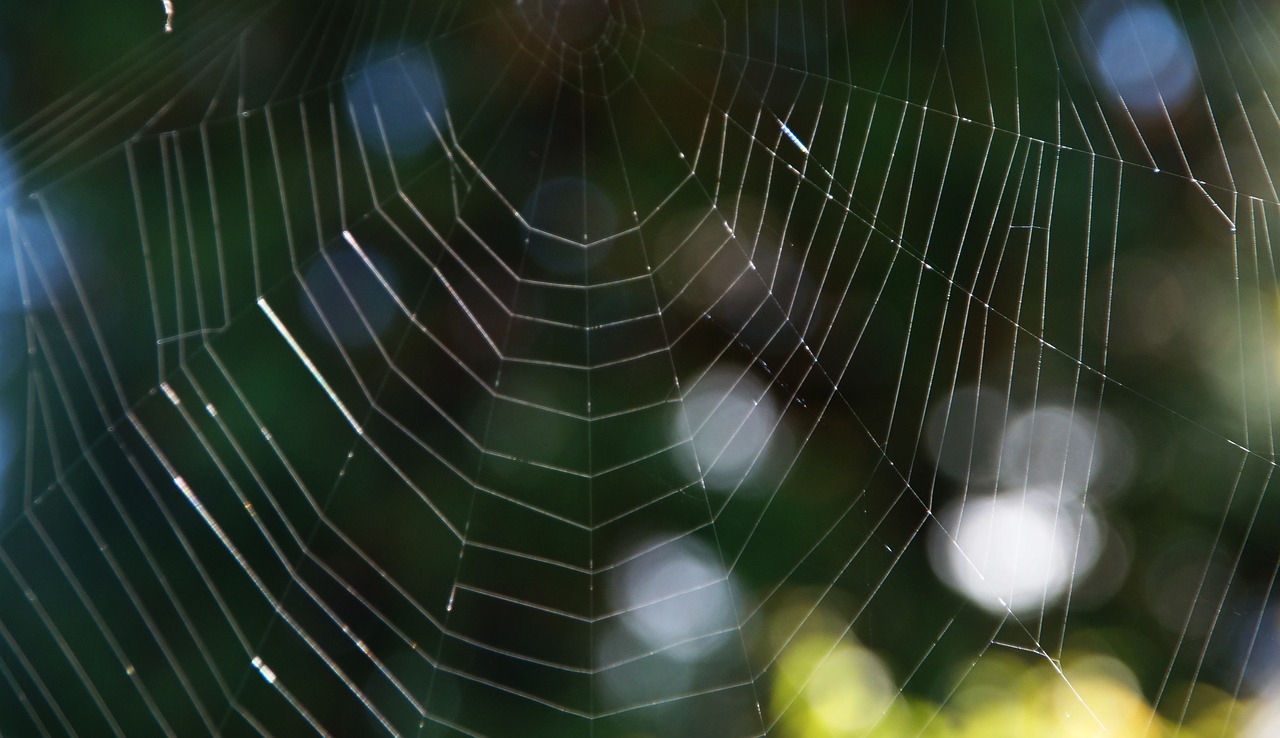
x=866, y=220
x=306, y=360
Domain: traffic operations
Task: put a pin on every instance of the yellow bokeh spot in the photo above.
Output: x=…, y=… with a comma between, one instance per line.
x=828, y=685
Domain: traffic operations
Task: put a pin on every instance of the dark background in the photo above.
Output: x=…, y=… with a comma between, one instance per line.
x=1073, y=259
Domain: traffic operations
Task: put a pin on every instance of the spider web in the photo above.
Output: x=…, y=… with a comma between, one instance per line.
x=558, y=367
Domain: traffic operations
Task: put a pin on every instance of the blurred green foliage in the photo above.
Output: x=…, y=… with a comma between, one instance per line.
x=997, y=218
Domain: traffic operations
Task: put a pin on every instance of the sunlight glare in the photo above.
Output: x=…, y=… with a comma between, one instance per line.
x=1014, y=552
x=735, y=426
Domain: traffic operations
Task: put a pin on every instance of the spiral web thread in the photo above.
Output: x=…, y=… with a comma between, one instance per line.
x=335, y=418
